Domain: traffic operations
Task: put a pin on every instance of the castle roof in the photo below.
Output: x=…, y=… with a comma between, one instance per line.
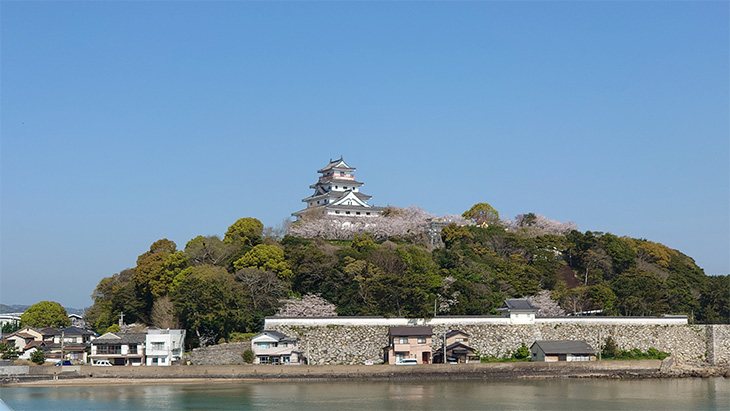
x=338, y=164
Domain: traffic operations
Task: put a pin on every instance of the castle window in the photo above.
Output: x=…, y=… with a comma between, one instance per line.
x=337, y=212
x=358, y=213
x=347, y=212
x=345, y=187
x=367, y=213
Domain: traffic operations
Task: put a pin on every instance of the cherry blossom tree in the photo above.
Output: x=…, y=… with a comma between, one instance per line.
x=310, y=305
x=548, y=306
x=533, y=225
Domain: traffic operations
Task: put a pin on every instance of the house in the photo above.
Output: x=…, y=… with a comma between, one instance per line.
x=337, y=193
x=26, y=340
x=519, y=310
x=272, y=347
x=70, y=343
x=164, y=347
x=562, y=350
x=457, y=349
x=409, y=342
x=119, y=348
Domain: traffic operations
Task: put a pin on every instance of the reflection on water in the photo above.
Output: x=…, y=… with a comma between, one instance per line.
x=559, y=394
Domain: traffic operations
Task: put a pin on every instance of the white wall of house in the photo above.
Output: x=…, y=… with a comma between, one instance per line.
x=163, y=347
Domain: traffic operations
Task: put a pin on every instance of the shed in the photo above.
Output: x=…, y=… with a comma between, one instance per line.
x=562, y=350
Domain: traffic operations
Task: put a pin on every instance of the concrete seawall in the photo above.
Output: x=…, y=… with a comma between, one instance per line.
x=479, y=370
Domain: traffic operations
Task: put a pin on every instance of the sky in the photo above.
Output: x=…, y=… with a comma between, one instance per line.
x=125, y=122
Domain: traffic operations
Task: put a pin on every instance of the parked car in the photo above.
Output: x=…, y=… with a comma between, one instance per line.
x=102, y=363
x=64, y=362
x=407, y=361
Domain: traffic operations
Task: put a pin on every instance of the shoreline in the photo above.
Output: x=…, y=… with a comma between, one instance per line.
x=191, y=374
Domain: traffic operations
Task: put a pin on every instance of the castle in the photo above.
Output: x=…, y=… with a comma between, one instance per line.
x=337, y=193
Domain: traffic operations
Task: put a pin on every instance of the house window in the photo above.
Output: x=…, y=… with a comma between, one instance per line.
x=422, y=340
x=317, y=201
x=285, y=359
x=109, y=349
x=402, y=340
x=158, y=345
x=133, y=349
x=154, y=360
x=264, y=359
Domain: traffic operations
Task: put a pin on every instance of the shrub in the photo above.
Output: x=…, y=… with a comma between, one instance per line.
x=247, y=356
x=610, y=350
x=38, y=357
x=521, y=353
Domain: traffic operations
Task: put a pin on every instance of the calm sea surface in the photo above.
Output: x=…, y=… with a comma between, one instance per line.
x=563, y=394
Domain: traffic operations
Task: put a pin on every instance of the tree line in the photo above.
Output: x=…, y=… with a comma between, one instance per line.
x=215, y=287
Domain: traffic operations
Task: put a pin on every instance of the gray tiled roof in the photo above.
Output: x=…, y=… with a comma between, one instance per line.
x=120, y=338
x=519, y=304
x=565, y=347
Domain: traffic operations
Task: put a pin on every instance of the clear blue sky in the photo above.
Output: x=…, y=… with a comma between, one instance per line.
x=126, y=122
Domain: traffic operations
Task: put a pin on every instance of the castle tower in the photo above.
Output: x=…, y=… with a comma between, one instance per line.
x=336, y=192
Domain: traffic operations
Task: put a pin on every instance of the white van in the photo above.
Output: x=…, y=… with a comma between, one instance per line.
x=407, y=361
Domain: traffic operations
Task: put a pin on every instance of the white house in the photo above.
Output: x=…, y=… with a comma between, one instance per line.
x=119, y=348
x=271, y=347
x=164, y=347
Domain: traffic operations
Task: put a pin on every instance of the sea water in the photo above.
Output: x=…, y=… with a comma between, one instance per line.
x=552, y=394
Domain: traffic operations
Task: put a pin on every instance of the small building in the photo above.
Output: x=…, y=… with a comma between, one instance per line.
x=519, y=310
x=272, y=347
x=164, y=347
x=457, y=349
x=409, y=343
x=562, y=350
x=119, y=348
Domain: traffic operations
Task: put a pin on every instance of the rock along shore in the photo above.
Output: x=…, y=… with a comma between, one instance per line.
x=191, y=373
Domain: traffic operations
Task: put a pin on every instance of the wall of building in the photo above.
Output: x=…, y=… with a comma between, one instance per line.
x=355, y=344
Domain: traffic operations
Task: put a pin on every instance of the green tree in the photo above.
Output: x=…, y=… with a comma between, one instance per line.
x=267, y=258
x=209, y=250
x=8, y=351
x=157, y=268
x=211, y=304
x=114, y=328
x=38, y=357
x=482, y=213
x=246, y=231
x=10, y=327
x=45, y=314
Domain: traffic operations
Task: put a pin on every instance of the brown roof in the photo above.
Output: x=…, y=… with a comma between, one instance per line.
x=410, y=331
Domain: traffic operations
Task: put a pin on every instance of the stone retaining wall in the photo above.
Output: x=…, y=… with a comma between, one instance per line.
x=339, y=344
x=222, y=354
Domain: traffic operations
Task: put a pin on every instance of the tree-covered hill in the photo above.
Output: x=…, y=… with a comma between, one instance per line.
x=215, y=287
